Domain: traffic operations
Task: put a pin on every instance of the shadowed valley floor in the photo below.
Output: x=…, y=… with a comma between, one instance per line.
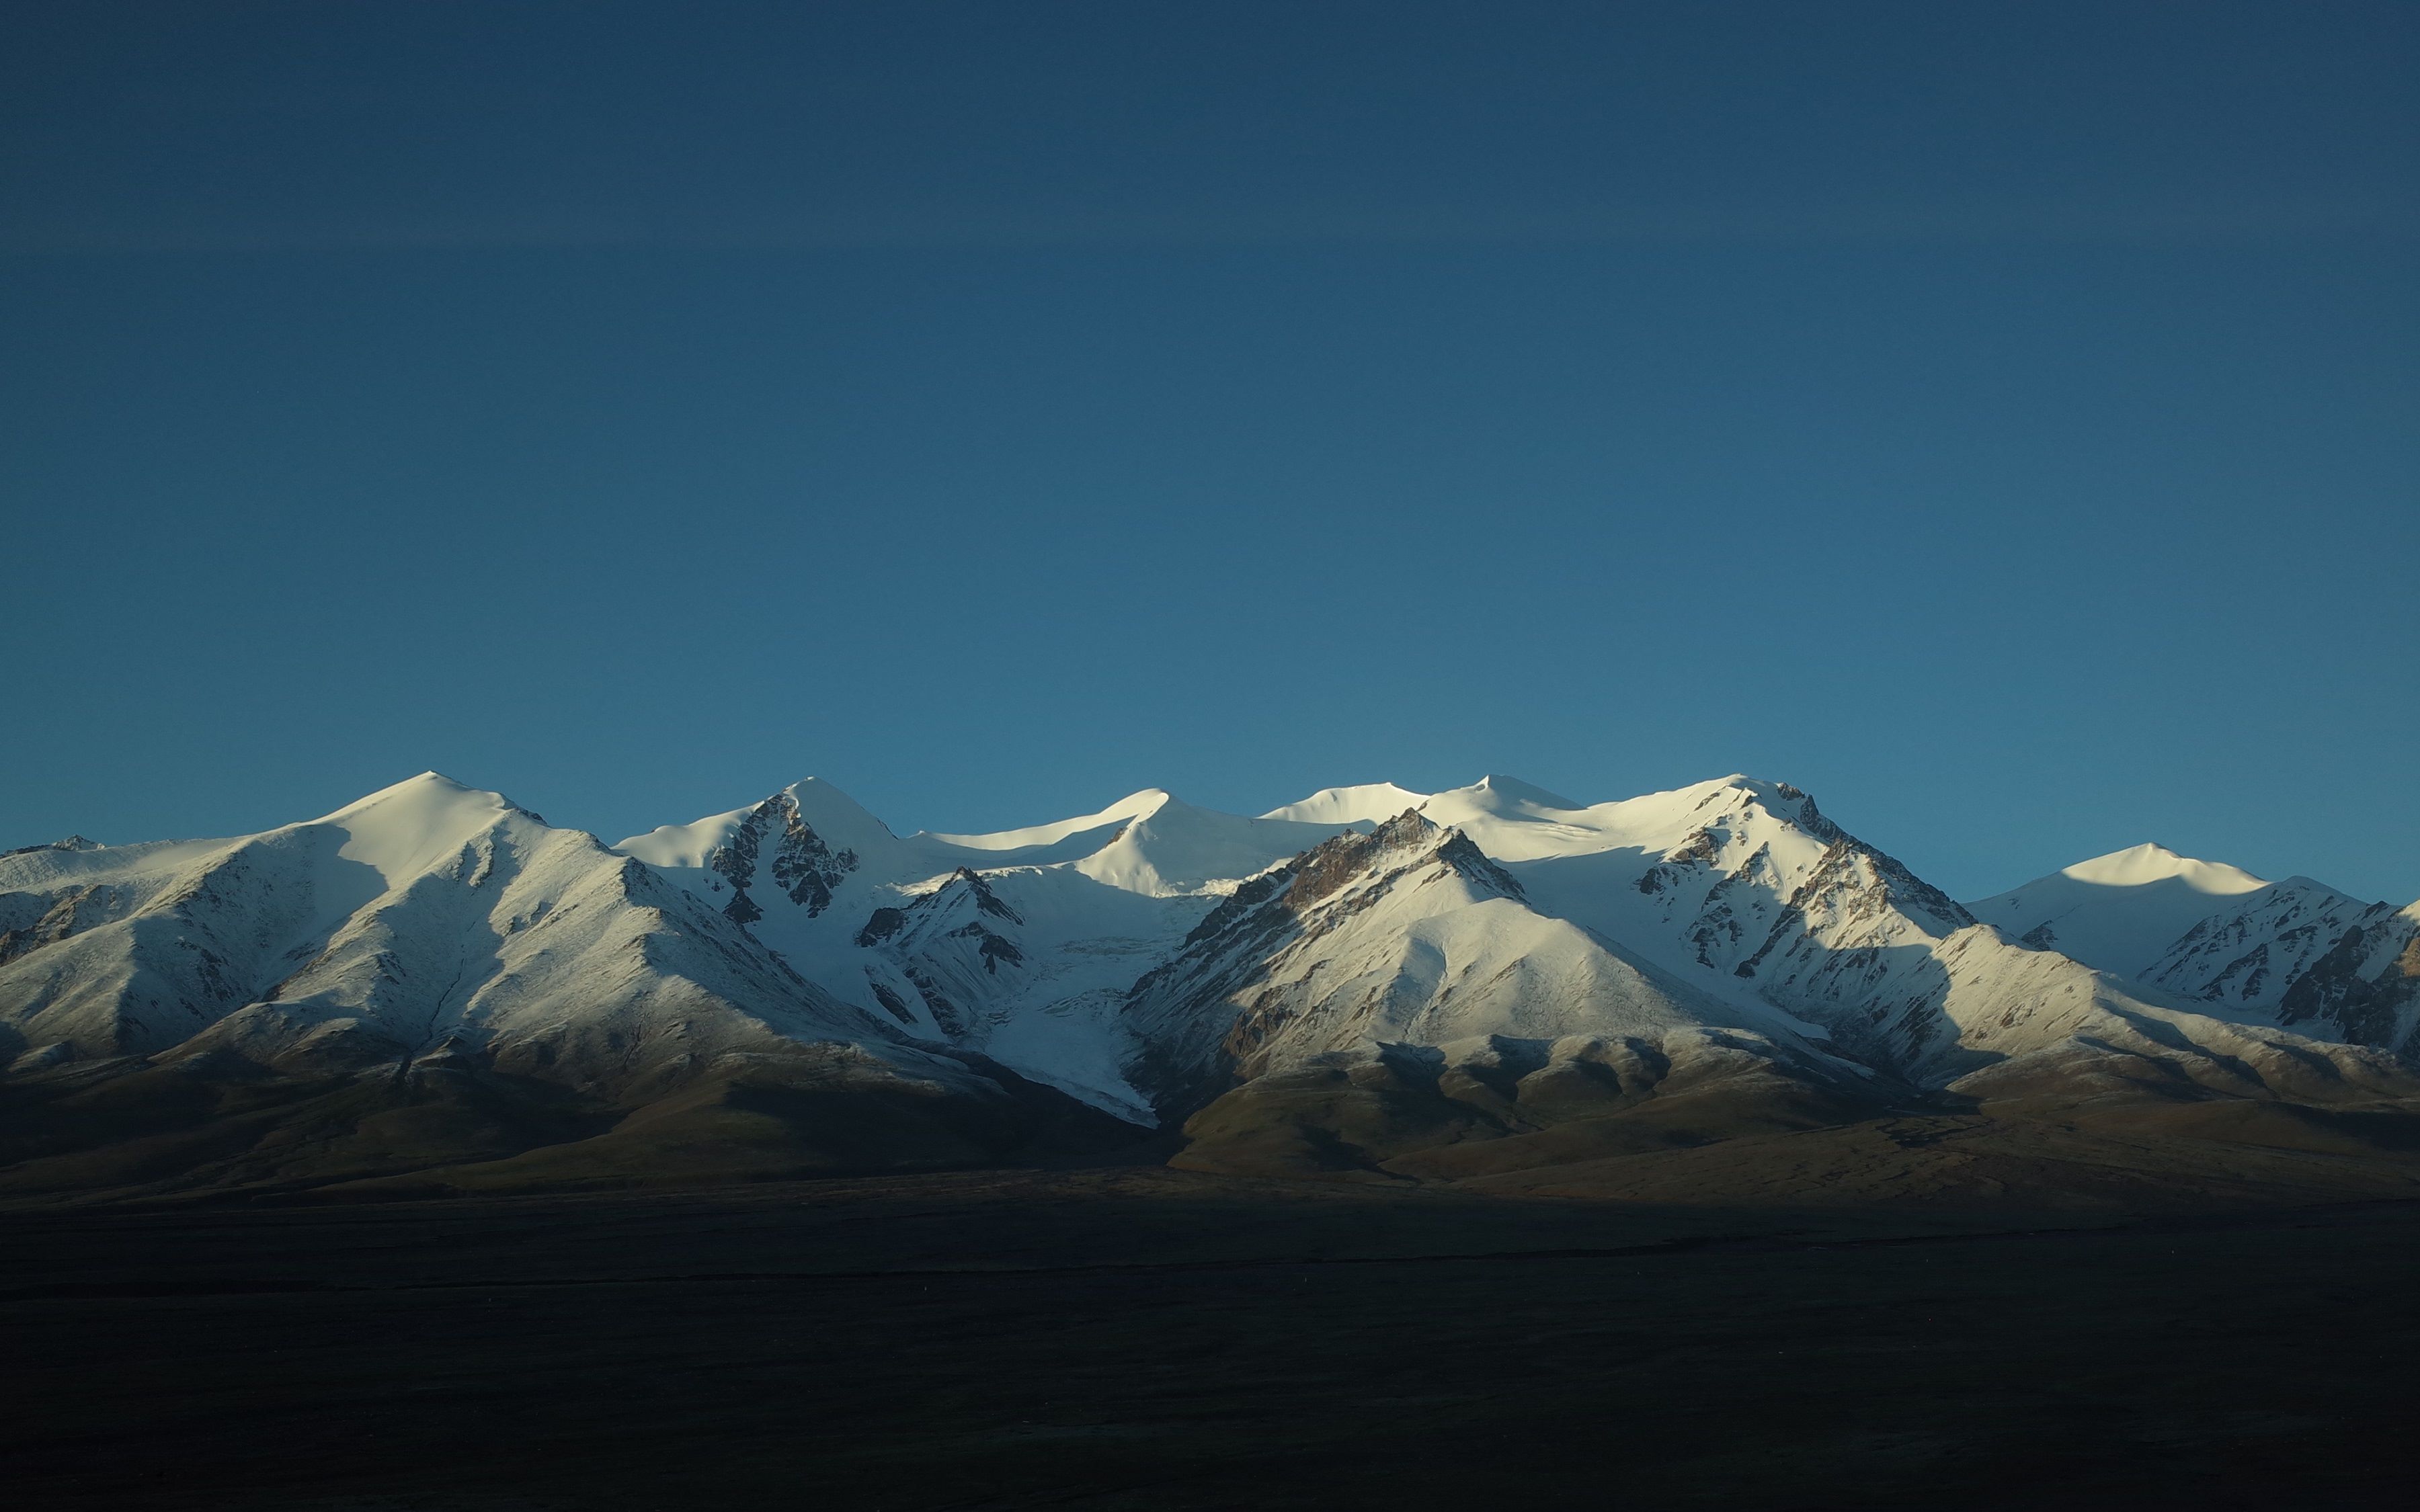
x=1152, y=1338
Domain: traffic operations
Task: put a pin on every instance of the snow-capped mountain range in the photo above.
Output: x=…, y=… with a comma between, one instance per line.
x=1151, y=958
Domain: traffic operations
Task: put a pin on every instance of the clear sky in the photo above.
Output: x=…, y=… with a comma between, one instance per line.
x=2003, y=421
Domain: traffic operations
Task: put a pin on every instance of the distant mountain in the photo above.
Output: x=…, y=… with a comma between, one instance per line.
x=2119, y=912
x=1370, y=980
x=2295, y=953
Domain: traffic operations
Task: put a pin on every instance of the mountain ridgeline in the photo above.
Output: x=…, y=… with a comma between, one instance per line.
x=1716, y=992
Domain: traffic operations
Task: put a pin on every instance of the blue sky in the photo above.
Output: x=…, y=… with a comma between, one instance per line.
x=2002, y=422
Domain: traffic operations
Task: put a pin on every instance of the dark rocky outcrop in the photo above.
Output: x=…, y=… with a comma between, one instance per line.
x=804, y=868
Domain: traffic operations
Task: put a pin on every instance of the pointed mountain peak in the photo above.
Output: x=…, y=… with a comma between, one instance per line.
x=429, y=782
x=1792, y=804
x=1458, y=851
x=834, y=820
x=72, y=842
x=831, y=811
x=2313, y=885
x=1410, y=827
x=1412, y=838
x=976, y=886
x=824, y=789
x=1772, y=795
x=1409, y=839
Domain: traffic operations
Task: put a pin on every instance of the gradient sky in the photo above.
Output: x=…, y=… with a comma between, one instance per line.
x=2003, y=421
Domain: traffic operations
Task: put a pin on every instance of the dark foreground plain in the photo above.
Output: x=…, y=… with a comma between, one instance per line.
x=1153, y=1338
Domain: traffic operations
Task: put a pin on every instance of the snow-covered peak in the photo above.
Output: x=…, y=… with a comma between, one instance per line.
x=839, y=818
x=403, y=830
x=1367, y=803
x=1510, y=819
x=2137, y=865
x=2119, y=912
x=418, y=791
x=1133, y=805
x=1513, y=821
x=1512, y=792
x=1177, y=848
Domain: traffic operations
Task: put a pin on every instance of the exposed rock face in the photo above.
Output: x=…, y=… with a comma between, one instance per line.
x=1198, y=1014
x=71, y=909
x=2252, y=956
x=946, y=945
x=803, y=867
x=963, y=890
x=2366, y=986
